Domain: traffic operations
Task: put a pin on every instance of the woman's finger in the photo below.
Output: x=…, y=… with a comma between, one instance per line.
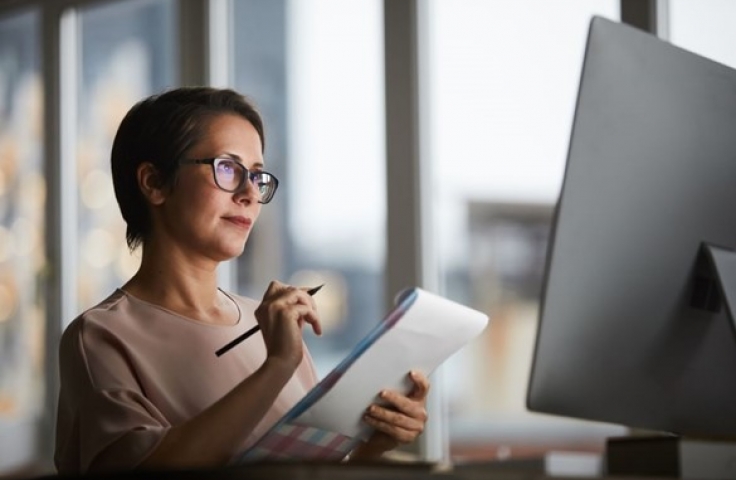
x=308, y=315
x=274, y=289
x=304, y=297
x=278, y=291
x=285, y=309
x=300, y=297
x=400, y=434
x=406, y=405
x=398, y=419
x=421, y=385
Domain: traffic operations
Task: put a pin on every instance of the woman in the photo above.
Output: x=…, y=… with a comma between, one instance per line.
x=141, y=386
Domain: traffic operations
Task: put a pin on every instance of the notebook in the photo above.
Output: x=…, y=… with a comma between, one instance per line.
x=419, y=333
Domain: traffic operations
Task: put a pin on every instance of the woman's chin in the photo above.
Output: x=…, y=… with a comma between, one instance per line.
x=232, y=250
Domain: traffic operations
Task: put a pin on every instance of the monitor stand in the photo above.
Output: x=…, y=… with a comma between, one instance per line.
x=671, y=456
x=682, y=457
x=715, y=280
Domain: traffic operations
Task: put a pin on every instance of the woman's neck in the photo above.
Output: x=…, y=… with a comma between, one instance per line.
x=171, y=280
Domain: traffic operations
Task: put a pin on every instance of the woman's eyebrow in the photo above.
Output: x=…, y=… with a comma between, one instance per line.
x=232, y=156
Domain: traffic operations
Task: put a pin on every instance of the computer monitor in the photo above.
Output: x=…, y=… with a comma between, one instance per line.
x=634, y=328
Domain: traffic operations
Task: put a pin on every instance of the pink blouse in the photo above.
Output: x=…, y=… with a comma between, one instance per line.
x=130, y=370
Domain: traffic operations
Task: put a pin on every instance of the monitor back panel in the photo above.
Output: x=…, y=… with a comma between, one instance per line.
x=651, y=174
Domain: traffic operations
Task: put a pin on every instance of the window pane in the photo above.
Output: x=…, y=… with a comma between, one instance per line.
x=705, y=27
x=127, y=52
x=503, y=83
x=315, y=68
x=22, y=234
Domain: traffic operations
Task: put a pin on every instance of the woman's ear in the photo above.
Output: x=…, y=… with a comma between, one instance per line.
x=149, y=181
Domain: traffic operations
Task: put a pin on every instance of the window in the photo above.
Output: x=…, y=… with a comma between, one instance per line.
x=127, y=52
x=503, y=83
x=705, y=27
x=315, y=68
x=22, y=227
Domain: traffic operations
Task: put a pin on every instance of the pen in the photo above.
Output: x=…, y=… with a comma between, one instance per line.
x=253, y=330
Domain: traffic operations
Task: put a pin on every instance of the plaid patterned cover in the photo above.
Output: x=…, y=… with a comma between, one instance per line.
x=298, y=442
x=287, y=440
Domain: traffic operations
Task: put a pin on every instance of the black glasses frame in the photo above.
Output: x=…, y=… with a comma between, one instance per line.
x=249, y=175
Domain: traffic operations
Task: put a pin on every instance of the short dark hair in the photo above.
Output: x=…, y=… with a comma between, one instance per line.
x=161, y=129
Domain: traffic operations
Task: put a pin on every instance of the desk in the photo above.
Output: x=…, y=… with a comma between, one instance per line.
x=328, y=471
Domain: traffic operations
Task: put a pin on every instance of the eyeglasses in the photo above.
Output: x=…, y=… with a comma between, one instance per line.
x=230, y=176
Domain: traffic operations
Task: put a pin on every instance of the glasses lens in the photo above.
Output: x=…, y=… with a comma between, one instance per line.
x=229, y=174
x=265, y=184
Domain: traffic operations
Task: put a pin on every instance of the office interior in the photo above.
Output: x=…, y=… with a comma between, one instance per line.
x=420, y=142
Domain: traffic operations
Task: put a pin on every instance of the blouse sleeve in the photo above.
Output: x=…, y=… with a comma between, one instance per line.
x=105, y=422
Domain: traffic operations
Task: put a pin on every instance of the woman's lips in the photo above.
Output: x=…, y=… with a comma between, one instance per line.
x=241, y=222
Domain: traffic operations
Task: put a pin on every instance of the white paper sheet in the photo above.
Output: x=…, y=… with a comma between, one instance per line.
x=430, y=331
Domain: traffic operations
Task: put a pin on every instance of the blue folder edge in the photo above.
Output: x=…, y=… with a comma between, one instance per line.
x=404, y=301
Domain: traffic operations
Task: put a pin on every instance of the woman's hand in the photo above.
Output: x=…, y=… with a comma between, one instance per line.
x=399, y=420
x=281, y=315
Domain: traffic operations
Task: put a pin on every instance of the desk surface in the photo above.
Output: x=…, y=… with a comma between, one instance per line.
x=342, y=471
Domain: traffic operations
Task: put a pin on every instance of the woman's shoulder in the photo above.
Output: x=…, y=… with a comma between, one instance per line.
x=107, y=309
x=94, y=334
x=112, y=324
